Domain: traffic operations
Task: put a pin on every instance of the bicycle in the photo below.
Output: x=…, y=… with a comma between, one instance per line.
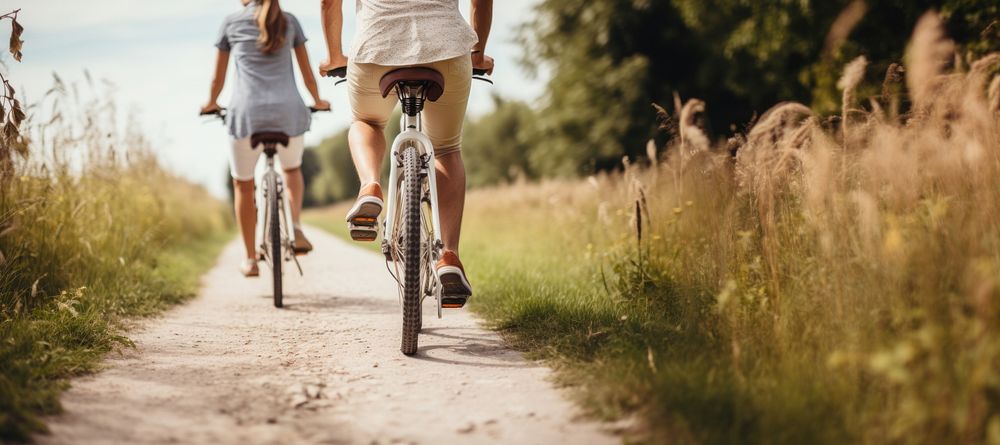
x=413, y=244
x=275, y=232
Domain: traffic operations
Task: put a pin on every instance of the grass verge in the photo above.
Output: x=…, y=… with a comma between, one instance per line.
x=69, y=335
x=823, y=286
x=91, y=236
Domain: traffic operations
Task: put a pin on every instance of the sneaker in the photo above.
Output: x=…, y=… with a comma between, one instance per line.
x=302, y=246
x=249, y=268
x=455, y=288
x=362, y=220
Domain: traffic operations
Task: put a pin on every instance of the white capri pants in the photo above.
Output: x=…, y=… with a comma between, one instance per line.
x=243, y=159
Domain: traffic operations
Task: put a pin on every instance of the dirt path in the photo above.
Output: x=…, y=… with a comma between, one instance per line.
x=229, y=368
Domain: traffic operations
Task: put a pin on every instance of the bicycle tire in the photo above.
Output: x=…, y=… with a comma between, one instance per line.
x=274, y=235
x=412, y=225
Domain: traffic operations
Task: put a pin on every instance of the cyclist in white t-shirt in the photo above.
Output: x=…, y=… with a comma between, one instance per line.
x=407, y=33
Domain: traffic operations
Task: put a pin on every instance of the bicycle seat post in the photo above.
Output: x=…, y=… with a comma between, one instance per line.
x=412, y=96
x=414, y=86
x=270, y=149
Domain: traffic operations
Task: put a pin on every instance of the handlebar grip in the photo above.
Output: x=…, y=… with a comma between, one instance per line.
x=212, y=113
x=479, y=72
x=318, y=110
x=337, y=72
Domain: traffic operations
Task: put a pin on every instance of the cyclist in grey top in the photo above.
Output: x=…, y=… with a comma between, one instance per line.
x=261, y=39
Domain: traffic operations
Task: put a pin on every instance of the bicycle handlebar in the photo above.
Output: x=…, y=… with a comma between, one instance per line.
x=479, y=74
x=341, y=72
x=221, y=112
x=337, y=72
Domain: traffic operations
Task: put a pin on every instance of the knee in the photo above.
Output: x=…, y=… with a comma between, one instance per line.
x=448, y=152
x=243, y=187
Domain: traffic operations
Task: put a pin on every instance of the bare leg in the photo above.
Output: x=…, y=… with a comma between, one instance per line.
x=246, y=214
x=451, y=197
x=296, y=189
x=367, y=149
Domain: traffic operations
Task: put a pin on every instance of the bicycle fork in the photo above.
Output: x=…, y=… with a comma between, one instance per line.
x=411, y=137
x=285, y=209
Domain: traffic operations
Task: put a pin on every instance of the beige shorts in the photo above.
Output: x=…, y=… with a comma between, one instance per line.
x=442, y=119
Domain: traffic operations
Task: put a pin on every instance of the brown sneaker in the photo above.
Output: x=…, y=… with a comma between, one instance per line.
x=455, y=288
x=302, y=246
x=362, y=220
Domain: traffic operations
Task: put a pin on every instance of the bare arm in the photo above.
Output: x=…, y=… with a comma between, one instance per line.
x=219, y=81
x=333, y=29
x=482, y=21
x=307, y=76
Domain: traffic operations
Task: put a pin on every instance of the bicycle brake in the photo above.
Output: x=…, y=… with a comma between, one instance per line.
x=386, y=252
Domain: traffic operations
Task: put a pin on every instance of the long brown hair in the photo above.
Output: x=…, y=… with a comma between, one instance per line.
x=272, y=24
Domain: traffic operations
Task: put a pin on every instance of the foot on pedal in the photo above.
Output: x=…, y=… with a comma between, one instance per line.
x=302, y=245
x=455, y=287
x=362, y=219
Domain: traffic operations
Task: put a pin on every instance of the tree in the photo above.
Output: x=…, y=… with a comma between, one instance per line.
x=499, y=147
x=610, y=59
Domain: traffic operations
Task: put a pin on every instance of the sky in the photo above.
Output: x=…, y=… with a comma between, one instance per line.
x=160, y=57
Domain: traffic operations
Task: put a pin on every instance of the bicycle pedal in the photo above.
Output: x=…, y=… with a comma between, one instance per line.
x=363, y=233
x=454, y=302
x=364, y=221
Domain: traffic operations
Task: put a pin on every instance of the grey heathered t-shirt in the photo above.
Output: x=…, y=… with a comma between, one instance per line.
x=266, y=97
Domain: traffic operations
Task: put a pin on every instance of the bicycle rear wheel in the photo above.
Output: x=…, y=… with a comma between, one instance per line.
x=411, y=227
x=274, y=236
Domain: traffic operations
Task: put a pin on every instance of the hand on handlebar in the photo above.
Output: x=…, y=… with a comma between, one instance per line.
x=333, y=67
x=482, y=63
x=321, y=105
x=211, y=108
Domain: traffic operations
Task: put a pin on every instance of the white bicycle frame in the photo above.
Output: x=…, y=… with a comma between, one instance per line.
x=288, y=235
x=412, y=135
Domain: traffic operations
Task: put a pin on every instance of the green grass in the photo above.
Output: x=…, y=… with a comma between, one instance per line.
x=331, y=219
x=745, y=315
x=69, y=335
x=823, y=287
x=86, y=247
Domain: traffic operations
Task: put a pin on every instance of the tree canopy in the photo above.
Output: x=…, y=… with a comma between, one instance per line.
x=610, y=59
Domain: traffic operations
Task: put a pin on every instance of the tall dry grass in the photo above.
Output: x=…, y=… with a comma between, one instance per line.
x=838, y=280
x=91, y=232
x=864, y=258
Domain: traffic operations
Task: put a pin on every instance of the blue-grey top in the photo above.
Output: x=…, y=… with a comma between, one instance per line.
x=265, y=97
